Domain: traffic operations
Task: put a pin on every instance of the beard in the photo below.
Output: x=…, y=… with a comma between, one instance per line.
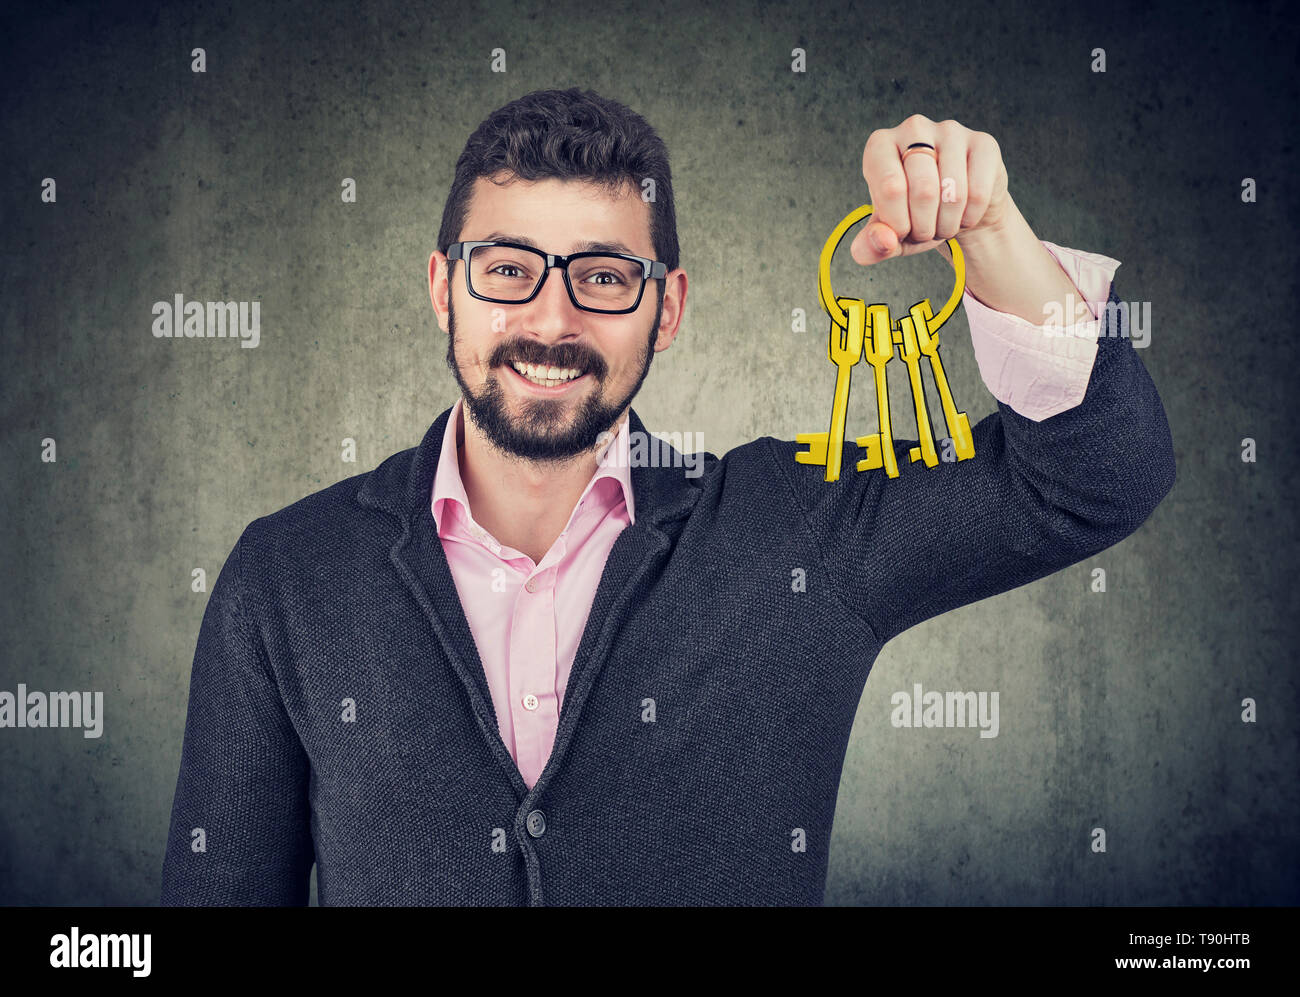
x=544, y=429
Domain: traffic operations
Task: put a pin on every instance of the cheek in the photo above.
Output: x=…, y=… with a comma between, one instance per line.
x=476, y=346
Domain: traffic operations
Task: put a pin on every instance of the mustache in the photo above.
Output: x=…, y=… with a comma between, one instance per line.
x=529, y=352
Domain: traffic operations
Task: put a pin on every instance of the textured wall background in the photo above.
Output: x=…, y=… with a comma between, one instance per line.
x=1119, y=710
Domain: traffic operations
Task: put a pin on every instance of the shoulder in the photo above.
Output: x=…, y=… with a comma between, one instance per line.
x=332, y=519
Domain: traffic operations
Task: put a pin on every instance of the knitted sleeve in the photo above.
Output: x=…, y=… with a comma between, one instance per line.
x=240, y=825
x=1035, y=498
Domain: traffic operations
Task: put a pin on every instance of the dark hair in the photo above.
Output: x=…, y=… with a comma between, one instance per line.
x=570, y=135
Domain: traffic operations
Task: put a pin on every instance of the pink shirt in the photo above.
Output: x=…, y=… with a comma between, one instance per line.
x=1038, y=374
x=527, y=619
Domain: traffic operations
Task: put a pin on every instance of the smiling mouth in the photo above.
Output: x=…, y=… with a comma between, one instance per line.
x=547, y=377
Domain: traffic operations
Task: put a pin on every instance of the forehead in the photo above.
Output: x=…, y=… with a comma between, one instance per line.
x=559, y=215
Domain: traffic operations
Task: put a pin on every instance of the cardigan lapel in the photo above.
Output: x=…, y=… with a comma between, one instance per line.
x=662, y=495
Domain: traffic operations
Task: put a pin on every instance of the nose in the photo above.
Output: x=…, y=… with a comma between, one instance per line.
x=552, y=315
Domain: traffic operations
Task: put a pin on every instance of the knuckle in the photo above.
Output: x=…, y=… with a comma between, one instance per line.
x=917, y=119
x=892, y=187
x=925, y=190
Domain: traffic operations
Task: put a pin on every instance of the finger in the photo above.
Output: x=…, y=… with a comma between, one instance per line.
x=916, y=248
x=922, y=176
x=954, y=150
x=883, y=169
x=922, y=196
x=982, y=169
x=869, y=255
x=875, y=242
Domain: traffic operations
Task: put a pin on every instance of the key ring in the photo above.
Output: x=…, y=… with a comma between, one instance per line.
x=832, y=307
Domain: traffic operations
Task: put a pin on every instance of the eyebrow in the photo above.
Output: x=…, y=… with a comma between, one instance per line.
x=590, y=246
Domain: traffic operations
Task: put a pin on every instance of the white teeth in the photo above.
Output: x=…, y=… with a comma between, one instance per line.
x=549, y=376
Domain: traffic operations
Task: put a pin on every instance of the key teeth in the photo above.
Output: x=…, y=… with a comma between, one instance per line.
x=816, y=452
x=871, y=444
x=875, y=455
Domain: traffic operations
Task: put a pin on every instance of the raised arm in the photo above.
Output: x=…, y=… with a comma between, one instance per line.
x=1059, y=472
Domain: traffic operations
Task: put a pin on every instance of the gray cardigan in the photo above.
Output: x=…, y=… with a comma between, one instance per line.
x=338, y=711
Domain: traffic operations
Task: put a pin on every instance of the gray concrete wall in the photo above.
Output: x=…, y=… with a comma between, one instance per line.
x=1119, y=710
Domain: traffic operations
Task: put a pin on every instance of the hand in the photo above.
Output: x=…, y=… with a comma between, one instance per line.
x=920, y=204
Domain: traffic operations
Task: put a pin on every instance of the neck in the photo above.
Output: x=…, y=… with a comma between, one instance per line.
x=525, y=504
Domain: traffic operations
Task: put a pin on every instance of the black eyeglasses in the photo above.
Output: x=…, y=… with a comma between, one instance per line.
x=510, y=274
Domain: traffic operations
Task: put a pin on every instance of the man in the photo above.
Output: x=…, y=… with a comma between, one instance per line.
x=513, y=665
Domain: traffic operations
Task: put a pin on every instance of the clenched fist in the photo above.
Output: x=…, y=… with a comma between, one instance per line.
x=923, y=199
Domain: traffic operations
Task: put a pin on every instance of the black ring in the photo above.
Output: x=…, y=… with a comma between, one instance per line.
x=920, y=145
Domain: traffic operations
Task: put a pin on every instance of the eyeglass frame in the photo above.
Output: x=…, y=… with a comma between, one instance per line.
x=650, y=270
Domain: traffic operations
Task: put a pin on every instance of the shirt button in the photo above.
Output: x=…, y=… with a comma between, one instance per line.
x=536, y=823
x=531, y=585
x=530, y=702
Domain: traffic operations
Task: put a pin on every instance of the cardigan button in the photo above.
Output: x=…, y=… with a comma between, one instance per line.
x=536, y=823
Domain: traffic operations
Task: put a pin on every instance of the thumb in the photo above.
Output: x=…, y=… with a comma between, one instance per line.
x=876, y=242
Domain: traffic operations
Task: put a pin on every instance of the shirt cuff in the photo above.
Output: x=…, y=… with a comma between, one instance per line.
x=1040, y=370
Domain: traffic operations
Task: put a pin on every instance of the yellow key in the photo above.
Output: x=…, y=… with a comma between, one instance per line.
x=910, y=351
x=844, y=348
x=880, y=446
x=927, y=335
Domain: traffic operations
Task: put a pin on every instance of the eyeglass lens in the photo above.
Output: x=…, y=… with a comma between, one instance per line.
x=512, y=275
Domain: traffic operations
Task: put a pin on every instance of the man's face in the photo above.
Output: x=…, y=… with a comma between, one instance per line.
x=487, y=339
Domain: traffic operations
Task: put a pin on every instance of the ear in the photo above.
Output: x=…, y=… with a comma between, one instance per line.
x=670, y=319
x=439, y=287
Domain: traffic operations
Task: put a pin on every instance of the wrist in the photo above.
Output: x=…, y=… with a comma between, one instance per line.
x=991, y=240
x=1009, y=270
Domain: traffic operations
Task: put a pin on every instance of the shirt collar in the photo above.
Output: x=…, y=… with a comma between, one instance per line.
x=613, y=461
